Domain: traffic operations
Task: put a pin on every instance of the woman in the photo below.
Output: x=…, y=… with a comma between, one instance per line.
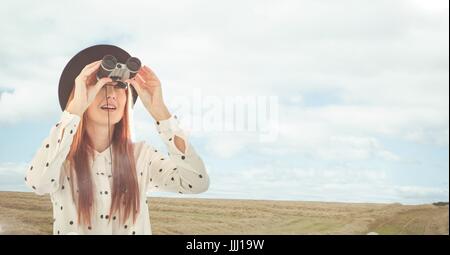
x=96, y=176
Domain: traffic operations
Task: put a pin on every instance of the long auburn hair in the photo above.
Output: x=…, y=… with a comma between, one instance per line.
x=125, y=190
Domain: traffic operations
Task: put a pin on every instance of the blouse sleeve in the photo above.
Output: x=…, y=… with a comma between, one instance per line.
x=44, y=172
x=180, y=172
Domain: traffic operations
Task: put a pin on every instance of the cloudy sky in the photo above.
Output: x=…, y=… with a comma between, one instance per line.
x=353, y=94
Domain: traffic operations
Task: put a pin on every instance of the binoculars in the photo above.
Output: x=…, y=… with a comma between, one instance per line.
x=118, y=72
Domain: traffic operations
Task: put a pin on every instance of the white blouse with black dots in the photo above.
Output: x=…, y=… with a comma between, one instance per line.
x=48, y=173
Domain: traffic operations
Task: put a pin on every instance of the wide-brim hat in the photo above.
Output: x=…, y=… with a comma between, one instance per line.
x=79, y=61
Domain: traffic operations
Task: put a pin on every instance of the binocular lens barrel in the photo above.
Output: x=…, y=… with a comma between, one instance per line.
x=110, y=66
x=107, y=66
x=133, y=64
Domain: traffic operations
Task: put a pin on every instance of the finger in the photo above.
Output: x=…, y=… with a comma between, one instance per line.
x=92, y=68
x=100, y=83
x=149, y=70
x=141, y=71
x=84, y=77
x=135, y=85
x=89, y=69
x=131, y=81
x=147, y=73
x=140, y=79
x=93, y=63
x=149, y=82
x=88, y=66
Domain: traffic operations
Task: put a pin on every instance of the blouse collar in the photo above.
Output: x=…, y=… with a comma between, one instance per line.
x=103, y=153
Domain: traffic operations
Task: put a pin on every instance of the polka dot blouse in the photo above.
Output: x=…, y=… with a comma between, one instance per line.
x=48, y=174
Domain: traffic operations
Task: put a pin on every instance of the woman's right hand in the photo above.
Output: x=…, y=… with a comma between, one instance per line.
x=85, y=93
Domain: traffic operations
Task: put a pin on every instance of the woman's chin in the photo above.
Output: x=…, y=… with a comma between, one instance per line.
x=114, y=117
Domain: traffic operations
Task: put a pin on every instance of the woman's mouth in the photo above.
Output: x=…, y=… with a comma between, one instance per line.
x=108, y=108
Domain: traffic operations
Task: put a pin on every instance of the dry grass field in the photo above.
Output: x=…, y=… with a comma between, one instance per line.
x=27, y=213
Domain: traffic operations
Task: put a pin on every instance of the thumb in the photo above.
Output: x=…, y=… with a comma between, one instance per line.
x=135, y=85
x=100, y=83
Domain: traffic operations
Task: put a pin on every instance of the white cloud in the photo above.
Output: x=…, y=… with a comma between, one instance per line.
x=12, y=176
x=27, y=104
x=335, y=183
x=11, y=167
x=414, y=192
x=354, y=148
x=229, y=145
x=434, y=6
x=315, y=123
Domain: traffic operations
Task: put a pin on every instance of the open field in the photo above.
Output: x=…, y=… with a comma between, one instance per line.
x=27, y=213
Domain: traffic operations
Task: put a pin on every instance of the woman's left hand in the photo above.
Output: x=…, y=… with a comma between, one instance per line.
x=149, y=91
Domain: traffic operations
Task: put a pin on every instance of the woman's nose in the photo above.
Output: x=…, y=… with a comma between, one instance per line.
x=110, y=92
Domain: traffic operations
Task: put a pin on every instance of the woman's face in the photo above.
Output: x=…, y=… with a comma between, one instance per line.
x=98, y=110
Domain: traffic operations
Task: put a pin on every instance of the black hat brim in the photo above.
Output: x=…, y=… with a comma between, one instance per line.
x=79, y=61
